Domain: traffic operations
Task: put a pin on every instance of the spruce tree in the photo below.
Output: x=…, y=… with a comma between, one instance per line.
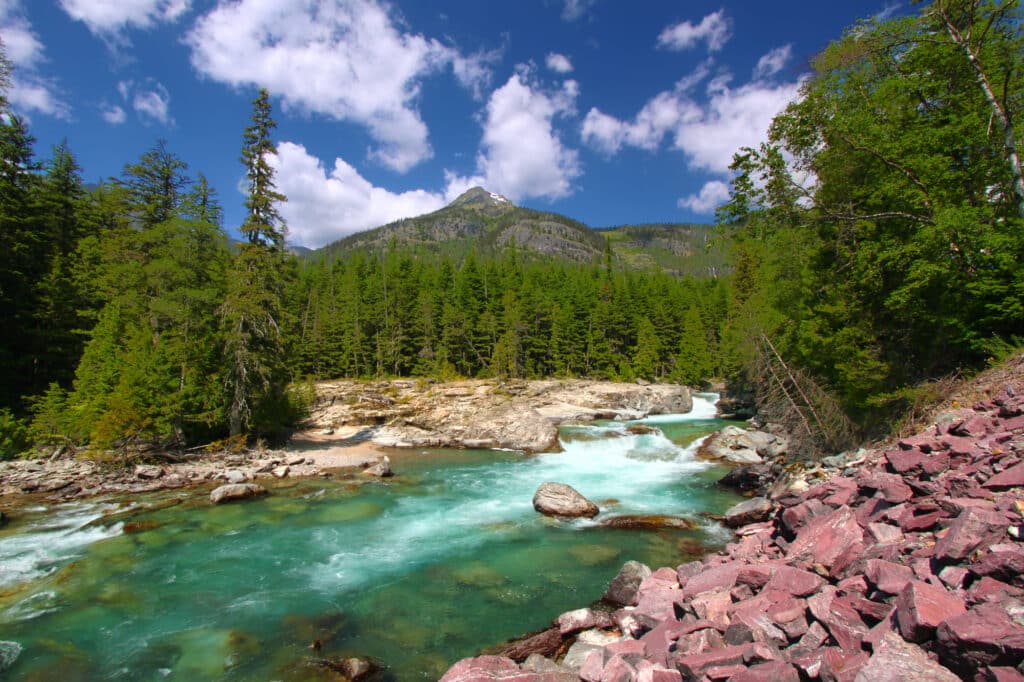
x=253, y=310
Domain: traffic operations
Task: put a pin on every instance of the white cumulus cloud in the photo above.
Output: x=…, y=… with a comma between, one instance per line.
x=773, y=62
x=29, y=89
x=113, y=114
x=713, y=194
x=109, y=19
x=574, y=9
x=558, y=63
x=522, y=155
x=345, y=59
x=327, y=204
x=153, y=104
x=714, y=29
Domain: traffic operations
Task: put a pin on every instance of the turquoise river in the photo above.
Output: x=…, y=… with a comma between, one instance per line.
x=440, y=562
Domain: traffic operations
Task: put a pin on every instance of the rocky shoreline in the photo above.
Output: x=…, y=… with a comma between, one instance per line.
x=904, y=562
x=351, y=426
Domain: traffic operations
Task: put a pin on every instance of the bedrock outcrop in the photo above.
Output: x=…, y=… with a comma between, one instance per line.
x=519, y=415
x=907, y=566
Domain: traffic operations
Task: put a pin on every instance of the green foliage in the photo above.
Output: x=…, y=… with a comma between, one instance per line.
x=13, y=435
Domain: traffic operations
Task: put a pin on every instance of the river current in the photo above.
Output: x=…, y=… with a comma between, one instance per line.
x=445, y=559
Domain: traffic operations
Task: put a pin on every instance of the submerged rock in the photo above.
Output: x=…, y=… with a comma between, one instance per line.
x=9, y=652
x=643, y=430
x=648, y=522
x=236, y=491
x=559, y=499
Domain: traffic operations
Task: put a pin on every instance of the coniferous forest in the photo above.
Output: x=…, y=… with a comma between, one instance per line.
x=876, y=243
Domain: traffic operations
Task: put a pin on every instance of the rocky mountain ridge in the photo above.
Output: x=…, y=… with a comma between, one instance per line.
x=490, y=223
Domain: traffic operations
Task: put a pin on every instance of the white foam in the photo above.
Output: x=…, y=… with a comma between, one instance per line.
x=39, y=548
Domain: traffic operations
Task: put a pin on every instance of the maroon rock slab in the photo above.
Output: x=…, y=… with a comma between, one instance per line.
x=992, y=590
x=487, y=668
x=971, y=529
x=855, y=584
x=883, y=533
x=922, y=442
x=831, y=663
x=693, y=666
x=935, y=464
x=657, y=593
x=1011, y=478
x=713, y=607
x=825, y=538
x=972, y=427
x=718, y=578
x=617, y=669
x=871, y=610
x=628, y=649
x=772, y=671
x=920, y=608
x=891, y=486
x=895, y=660
x=797, y=516
x=657, y=674
x=1002, y=674
x=593, y=665
x=786, y=611
x=794, y=581
x=723, y=672
x=904, y=461
x=755, y=575
x=984, y=636
x=1005, y=565
x=660, y=639
x=885, y=576
x=845, y=624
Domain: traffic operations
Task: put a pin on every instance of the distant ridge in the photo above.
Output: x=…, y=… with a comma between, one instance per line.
x=488, y=223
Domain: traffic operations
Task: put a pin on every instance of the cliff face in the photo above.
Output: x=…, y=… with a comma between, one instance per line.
x=908, y=565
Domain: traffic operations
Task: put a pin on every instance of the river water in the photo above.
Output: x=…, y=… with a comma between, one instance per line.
x=418, y=571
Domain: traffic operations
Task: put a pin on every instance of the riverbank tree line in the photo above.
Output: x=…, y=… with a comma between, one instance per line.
x=876, y=241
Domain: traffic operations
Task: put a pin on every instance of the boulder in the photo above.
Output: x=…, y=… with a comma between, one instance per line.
x=985, y=635
x=895, y=660
x=236, y=491
x=623, y=588
x=750, y=511
x=380, y=469
x=235, y=476
x=740, y=446
x=281, y=471
x=748, y=477
x=922, y=607
x=559, y=499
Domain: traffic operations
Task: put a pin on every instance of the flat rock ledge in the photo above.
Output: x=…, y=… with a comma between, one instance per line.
x=906, y=565
x=559, y=499
x=517, y=415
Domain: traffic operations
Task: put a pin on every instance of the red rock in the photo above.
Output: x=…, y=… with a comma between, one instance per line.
x=958, y=445
x=593, y=665
x=984, y=636
x=992, y=590
x=660, y=639
x=972, y=427
x=786, y=611
x=884, y=533
x=756, y=575
x=855, y=584
x=692, y=666
x=920, y=608
x=796, y=517
x=1002, y=674
x=825, y=538
x=958, y=505
x=903, y=461
x=972, y=528
x=845, y=624
x=894, y=660
x=617, y=670
x=953, y=577
x=721, y=577
x=653, y=674
x=845, y=668
x=486, y=669
x=873, y=610
x=686, y=571
x=698, y=642
x=794, y=581
x=921, y=442
x=911, y=520
x=935, y=464
x=891, y=486
x=713, y=607
x=810, y=641
x=773, y=671
x=723, y=672
x=657, y=593
x=1006, y=565
x=571, y=622
x=1011, y=478
x=886, y=576
x=760, y=626
x=627, y=648
x=880, y=630
x=842, y=491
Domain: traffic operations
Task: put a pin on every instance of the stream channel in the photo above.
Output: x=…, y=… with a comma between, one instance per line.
x=441, y=561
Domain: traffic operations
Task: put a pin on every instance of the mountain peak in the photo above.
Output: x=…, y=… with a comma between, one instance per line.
x=479, y=197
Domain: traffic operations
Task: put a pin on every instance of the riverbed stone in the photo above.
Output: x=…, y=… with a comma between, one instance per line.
x=236, y=491
x=559, y=499
x=624, y=587
x=380, y=469
x=750, y=511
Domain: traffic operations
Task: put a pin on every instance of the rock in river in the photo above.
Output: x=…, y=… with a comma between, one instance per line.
x=559, y=499
x=236, y=491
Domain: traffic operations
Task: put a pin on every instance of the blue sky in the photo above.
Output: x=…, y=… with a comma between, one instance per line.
x=608, y=111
